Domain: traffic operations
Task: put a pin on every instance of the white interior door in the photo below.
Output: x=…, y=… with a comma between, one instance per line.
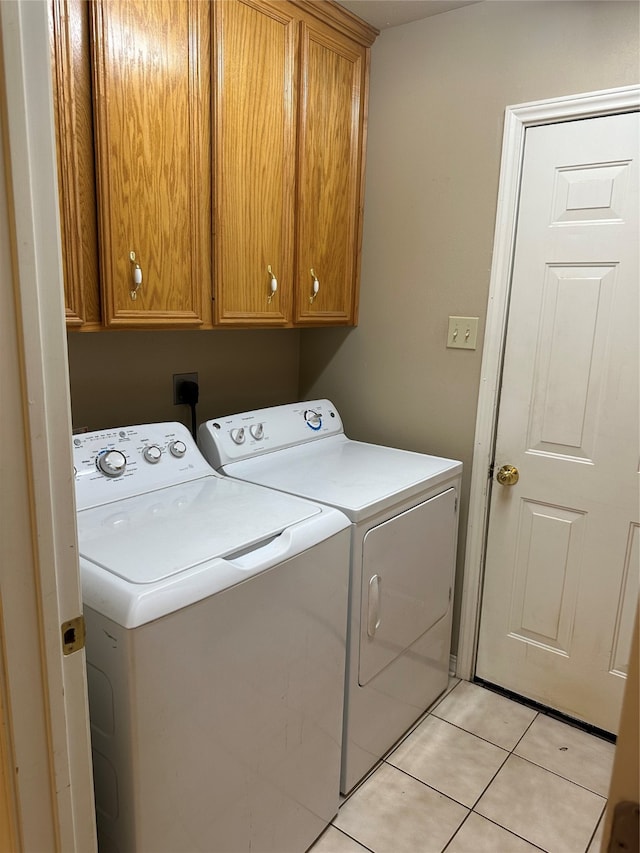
x=562, y=556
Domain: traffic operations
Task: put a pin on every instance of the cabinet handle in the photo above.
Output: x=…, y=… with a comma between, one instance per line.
x=273, y=285
x=136, y=275
x=373, y=620
x=316, y=286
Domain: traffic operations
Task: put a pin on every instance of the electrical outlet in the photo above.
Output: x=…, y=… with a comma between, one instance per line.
x=463, y=332
x=178, y=378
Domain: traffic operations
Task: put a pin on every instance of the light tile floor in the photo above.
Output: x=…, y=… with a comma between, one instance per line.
x=480, y=773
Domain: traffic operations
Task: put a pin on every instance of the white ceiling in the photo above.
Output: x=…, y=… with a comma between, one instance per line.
x=391, y=13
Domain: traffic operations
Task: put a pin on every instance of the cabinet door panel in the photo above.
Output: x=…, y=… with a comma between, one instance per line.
x=69, y=27
x=152, y=122
x=254, y=182
x=329, y=176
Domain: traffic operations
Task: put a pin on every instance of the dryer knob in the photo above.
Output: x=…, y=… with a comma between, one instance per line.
x=237, y=435
x=112, y=463
x=314, y=419
x=177, y=449
x=257, y=431
x=152, y=453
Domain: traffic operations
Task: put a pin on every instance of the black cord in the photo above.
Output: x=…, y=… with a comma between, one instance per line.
x=189, y=393
x=193, y=421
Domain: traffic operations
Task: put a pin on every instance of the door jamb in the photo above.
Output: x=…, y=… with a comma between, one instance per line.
x=47, y=747
x=517, y=119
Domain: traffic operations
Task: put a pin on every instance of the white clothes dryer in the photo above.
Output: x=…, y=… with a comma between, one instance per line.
x=403, y=508
x=216, y=630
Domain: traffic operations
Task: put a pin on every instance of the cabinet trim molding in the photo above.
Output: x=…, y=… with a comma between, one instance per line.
x=340, y=19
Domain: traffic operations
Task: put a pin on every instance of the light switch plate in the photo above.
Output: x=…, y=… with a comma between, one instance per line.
x=463, y=332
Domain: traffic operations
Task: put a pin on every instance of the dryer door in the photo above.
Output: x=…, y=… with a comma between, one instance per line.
x=407, y=577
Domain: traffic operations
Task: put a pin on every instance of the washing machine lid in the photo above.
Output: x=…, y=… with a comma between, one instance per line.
x=357, y=478
x=150, y=537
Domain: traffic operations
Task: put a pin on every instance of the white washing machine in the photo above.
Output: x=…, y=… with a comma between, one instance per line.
x=216, y=629
x=403, y=509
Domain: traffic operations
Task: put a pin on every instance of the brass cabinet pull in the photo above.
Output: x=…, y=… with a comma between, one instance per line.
x=316, y=285
x=273, y=285
x=136, y=275
x=508, y=475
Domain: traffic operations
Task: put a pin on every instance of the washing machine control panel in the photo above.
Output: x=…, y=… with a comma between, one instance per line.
x=117, y=463
x=241, y=436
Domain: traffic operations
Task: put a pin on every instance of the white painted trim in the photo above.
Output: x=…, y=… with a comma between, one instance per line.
x=517, y=120
x=50, y=565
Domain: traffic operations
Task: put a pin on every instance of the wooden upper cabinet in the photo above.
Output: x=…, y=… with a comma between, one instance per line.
x=289, y=117
x=254, y=152
x=151, y=64
x=71, y=73
x=329, y=177
x=135, y=122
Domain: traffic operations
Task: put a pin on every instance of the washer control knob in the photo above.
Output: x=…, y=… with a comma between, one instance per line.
x=237, y=435
x=112, y=463
x=257, y=431
x=177, y=448
x=314, y=419
x=152, y=453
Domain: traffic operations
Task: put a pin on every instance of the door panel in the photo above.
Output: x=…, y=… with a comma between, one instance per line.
x=561, y=560
x=407, y=573
x=328, y=176
x=69, y=29
x=565, y=408
x=254, y=184
x=549, y=550
x=152, y=127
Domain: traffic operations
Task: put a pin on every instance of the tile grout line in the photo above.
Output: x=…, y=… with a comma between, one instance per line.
x=547, y=711
x=509, y=754
x=429, y=711
x=519, y=741
x=470, y=810
x=596, y=828
x=541, y=766
x=456, y=832
x=432, y=711
x=430, y=787
x=512, y=751
x=486, y=740
x=560, y=776
x=511, y=832
x=489, y=783
x=546, y=769
x=364, y=846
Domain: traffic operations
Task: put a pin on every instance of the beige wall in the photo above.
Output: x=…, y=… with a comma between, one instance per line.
x=439, y=88
x=120, y=378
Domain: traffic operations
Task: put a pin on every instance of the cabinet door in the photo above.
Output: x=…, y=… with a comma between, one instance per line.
x=152, y=126
x=254, y=186
x=69, y=30
x=329, y=176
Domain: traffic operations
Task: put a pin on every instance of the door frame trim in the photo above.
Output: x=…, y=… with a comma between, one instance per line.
x=517, y=119
x=47, y=747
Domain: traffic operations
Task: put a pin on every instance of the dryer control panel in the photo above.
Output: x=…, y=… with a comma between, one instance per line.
x=236, y=437
x=113, y=464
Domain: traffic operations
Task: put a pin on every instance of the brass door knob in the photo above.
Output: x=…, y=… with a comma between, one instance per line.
x=508, y=475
